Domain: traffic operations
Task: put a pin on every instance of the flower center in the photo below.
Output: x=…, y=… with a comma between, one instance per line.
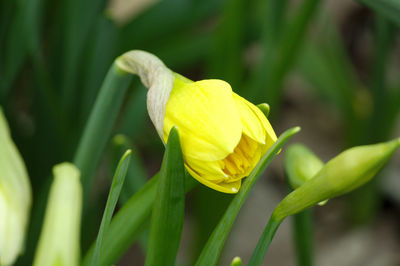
x=240, y=163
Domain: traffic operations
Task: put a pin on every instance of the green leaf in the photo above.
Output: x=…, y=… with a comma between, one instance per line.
x=280, y=55
x=21, y=39
x=211, y=251
x=100, y=123
x=388, y=8
x=78, y=18
x=136, y=177
x=102, y=41
x=169, y=207
x=134, y=116
x=226, y=61
x=116, y=186
x=156, y=23
x=128, y=224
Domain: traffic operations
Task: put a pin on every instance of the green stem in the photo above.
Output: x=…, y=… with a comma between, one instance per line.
x=100, y=123
x=289, y=46
x=265, y=241
x=211, y=251
x=280, y=55
x=302, y=228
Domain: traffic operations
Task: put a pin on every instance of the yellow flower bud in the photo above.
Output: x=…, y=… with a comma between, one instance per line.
x=344, y=173
x=222, y=135
x=15, y=197
x=60, y=236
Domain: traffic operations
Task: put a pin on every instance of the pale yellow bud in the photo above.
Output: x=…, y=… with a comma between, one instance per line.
x=60, y=236
x=15, y=197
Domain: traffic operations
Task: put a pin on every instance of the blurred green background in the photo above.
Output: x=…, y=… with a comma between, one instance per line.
x=331, y=67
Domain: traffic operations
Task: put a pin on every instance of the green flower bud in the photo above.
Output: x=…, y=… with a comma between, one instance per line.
x=15, y=197
x=344, y=173
x=301, y=164
x=237, y=261
x=60, y=236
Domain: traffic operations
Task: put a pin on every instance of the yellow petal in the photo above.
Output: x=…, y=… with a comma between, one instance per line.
x=207, y=117
x=270, y=133
x=232, y=187
x=212, y=170
x=252, y=125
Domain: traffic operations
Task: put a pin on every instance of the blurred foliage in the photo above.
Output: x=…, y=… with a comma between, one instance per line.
x=55, y=54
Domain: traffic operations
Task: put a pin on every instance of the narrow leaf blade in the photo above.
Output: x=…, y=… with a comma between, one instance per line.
x=388, y=8
x=212, y=250
x=168, y=210
x=116, y=186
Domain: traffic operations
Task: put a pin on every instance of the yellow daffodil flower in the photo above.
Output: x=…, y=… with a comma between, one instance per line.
x=222, y=135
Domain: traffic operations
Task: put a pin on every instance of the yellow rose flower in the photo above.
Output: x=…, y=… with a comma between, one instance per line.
x=222, y=135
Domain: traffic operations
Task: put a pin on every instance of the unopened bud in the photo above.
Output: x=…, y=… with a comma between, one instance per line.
x=344, y=173
x=237, y=261
x=301, y=164
x=60, y=236
x=15, y=197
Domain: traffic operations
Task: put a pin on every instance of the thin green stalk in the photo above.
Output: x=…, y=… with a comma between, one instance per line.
x=273, y=14
x=115, y=190
x=388, y=8
x=100, y=123
x=264, y=242
x=365, y=202
x=211, y=251
x=226, y=60
x=378, y=85
x=267, y=80
x=303, y=237
x=289, y=46
x=274, y=22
